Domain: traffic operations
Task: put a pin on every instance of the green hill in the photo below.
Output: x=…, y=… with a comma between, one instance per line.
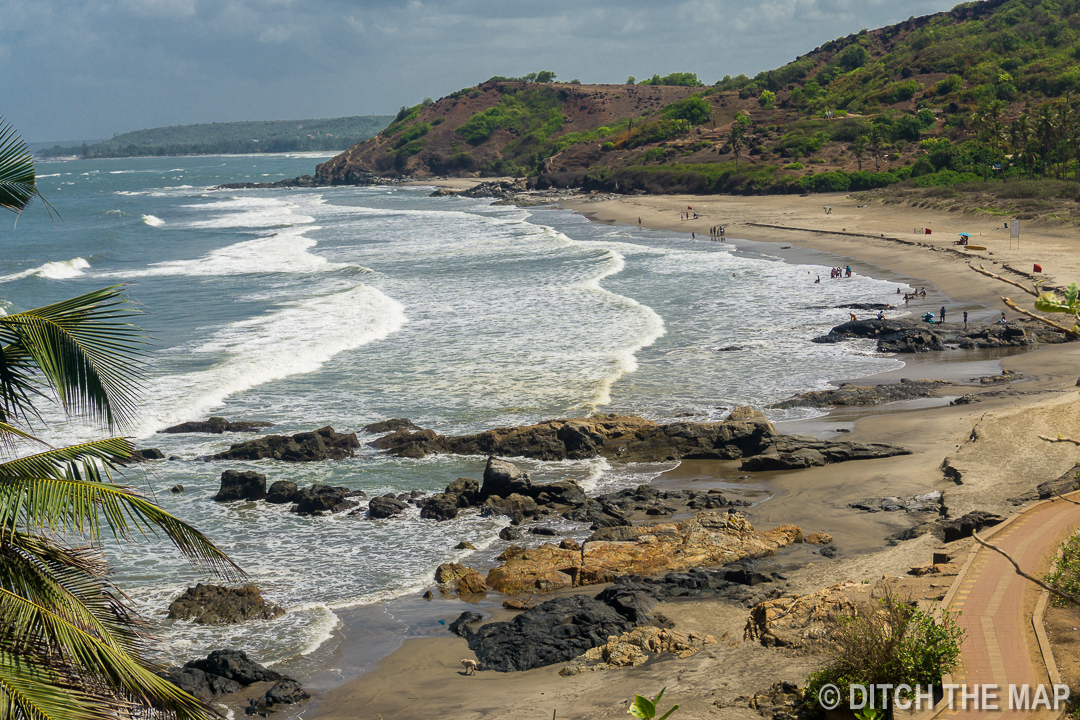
x=234, y=137
x=982, y=91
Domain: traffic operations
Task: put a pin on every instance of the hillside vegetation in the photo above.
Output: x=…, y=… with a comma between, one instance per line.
x=233, y=137
x=982, y=92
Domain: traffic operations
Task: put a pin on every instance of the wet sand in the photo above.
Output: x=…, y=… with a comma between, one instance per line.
x=994, y=442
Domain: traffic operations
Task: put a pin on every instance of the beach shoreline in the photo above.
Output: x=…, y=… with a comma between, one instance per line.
x=816, y=498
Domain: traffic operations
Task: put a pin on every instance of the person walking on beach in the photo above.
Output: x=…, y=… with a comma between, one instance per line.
x=942, y=314
x=639, y=222
x=965, y=319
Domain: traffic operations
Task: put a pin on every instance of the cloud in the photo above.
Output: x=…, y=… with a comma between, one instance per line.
x=99, y=67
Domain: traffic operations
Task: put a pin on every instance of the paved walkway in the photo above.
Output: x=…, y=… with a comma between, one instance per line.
x=1001, y=647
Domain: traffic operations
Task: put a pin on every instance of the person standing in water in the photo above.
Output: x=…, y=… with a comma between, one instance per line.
x=942, y=314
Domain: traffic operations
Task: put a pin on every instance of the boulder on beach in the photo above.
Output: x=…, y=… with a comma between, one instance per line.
x=709, y=538
x=552, y=632
x=229, y=671
x=241, y=485
x=322, y=444
x=219, y=605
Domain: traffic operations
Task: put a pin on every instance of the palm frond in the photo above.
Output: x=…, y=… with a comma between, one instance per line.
x=17, y=178
x=110, y=674
x=83, y=349
x=65, y=491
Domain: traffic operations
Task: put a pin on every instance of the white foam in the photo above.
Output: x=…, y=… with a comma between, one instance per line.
x=296, y=339
x=58, y=270
x=282, y=252
x=249, y=212
x=153, y=220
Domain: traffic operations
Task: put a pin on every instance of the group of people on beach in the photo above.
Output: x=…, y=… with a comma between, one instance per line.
x=686, y=215
x=838, y=272
x=716, y=232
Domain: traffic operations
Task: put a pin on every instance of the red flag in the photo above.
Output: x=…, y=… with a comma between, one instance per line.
x=1038, y=268
x=689, y=208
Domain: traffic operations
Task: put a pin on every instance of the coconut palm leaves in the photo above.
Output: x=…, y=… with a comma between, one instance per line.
x=70, y=646
x=83, y=350
x=17, y=187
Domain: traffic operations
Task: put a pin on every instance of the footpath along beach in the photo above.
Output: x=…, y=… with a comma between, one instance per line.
x=990, y=449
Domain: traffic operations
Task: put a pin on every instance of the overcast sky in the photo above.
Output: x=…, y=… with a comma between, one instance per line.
x=88, y=69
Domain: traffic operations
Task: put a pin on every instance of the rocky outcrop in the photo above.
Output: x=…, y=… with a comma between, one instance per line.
x=455, y=577
x=620, y=437
x=319, y=499
x=896, y=335
x=637, y=647
x=795, y=452
x=284, y=692
x=216, y=426
x=797, y=621
x=709, y=538
x=462, y=626
x=236, y=485
x=972, y=522
x=930, y=502
x=282, y=492
x=146, y=454
x=848, y=395
x=229, y=671
x=321, y=444
x=218, y=605
x=385, y=507
x=555, y=631
x=746, y=433
x=391, y=425
x=907, y=335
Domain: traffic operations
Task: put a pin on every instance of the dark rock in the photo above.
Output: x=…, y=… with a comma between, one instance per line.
x=555, y=631
x=322, y=498
x=176, y=489
x=634, y=601
x=1064, y=484
x=561, y=492
x=791, y=452
x=545, y=531
x=466, y=490
x=236, y=485
x=930, y=502
x=321, y=444
x=146, y=454
x=234, y=665
x=866, y=306
x=218, y=605
x=510, y=533
x=966, y=400
x=216, y=426
x=504, y=479
x=828, y=551
x=460, y=627
x=392, y=425
x=440, y=507
x=200, y=684
x=516, y=507
x=282, y=492
x=970, y=523
x=383, y=507
x=286, y=692
x=861, y=396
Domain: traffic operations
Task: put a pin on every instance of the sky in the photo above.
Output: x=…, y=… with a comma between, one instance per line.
x=90, y=69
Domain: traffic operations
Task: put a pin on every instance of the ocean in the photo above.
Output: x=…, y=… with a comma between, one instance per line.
x=345, y=306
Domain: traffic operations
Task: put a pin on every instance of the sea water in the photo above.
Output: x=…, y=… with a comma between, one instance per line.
x=345, y=306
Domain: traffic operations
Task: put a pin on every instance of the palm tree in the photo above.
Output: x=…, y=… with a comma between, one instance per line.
x=71, y=648
x=737, y=136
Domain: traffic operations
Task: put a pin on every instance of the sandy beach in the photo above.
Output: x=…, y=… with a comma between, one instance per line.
x=993, y=444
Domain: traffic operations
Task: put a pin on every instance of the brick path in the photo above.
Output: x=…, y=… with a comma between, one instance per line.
x=1001, y=647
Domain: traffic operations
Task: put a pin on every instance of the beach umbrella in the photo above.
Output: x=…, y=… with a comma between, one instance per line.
x=964, y=234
